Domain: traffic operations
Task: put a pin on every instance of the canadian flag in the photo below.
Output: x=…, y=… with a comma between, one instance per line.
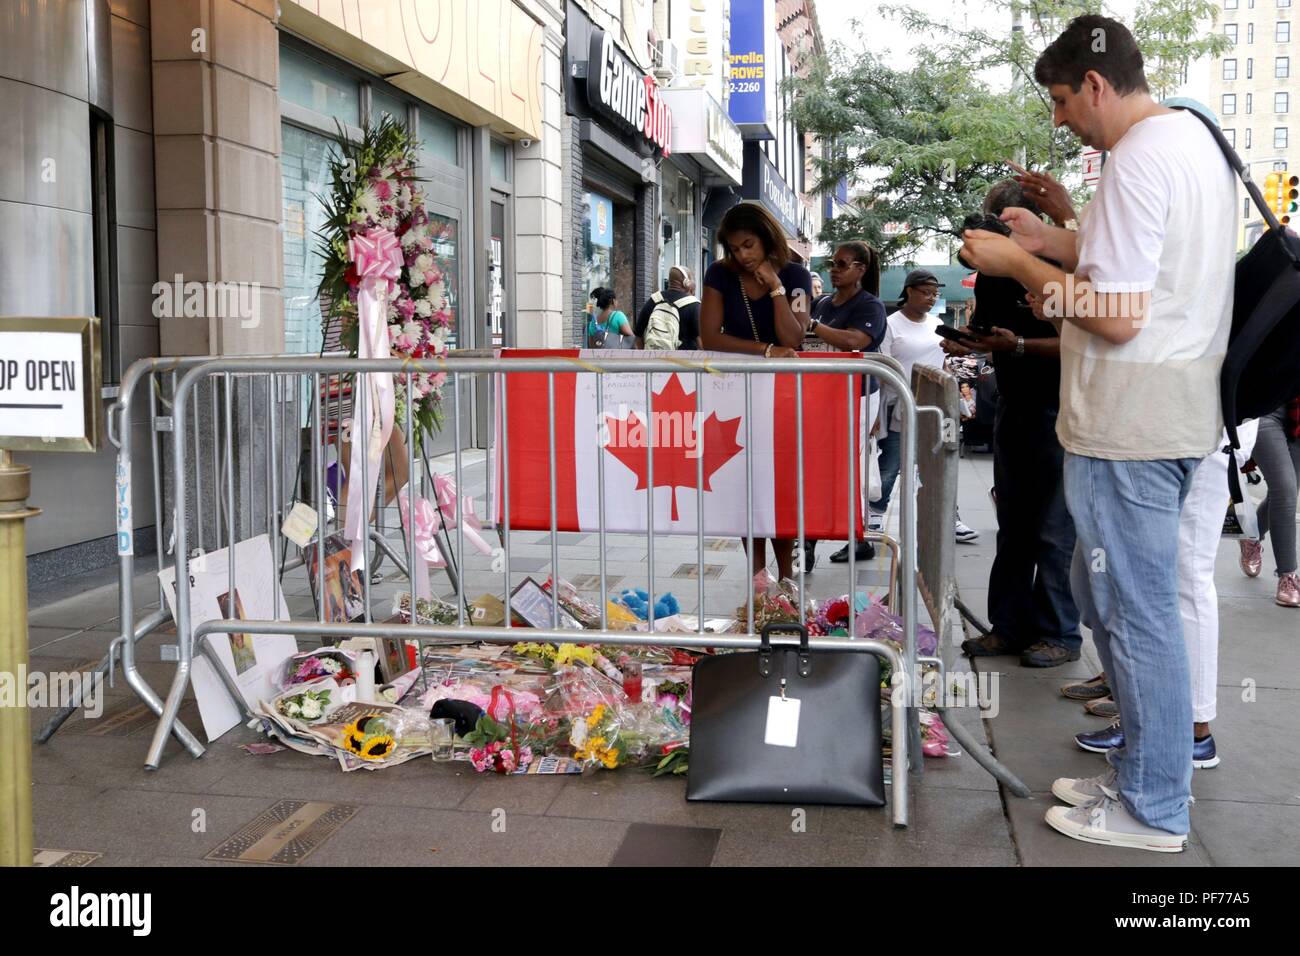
x=698, y=468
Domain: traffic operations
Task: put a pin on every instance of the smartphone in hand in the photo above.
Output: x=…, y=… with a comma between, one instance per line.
x=956, y=335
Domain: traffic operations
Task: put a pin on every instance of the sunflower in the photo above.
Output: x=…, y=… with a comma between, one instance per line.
x=377, y=748
x=609, y=758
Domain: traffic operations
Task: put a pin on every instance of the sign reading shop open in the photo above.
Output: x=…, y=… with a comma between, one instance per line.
x=618, y=89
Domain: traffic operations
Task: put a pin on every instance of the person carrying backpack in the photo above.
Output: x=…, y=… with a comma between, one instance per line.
x=1144, y=301
x=670, y=319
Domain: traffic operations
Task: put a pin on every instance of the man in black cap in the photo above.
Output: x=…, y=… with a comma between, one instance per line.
x=911, y=339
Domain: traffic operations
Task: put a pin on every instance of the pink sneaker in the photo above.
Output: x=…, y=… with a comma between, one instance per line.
x=1288, y=590
x=1252, y=557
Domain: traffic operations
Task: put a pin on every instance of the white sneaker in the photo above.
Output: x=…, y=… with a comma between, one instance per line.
x=875, y=522
x=964, y=533
x=1106, y=821
x=1081, y=791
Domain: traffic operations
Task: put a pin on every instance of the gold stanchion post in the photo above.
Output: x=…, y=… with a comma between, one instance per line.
x=15, y=722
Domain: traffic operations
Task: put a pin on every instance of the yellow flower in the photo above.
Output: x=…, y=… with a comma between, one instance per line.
x=609, y=758
x=596, y=715
x=377, y=748
x=596, y=743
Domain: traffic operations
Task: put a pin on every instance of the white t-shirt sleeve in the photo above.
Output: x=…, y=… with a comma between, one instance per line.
x=1124, y=233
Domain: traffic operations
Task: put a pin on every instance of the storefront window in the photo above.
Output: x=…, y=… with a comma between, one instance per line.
x=304, y=169
x=446, y=261
x=598, y=244
x=438, y=137
x=313, y=85
x=678, y=210
x=500, y=162
x=385, y=104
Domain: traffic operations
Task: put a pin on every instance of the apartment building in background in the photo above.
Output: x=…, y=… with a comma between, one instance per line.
x=1254, y=90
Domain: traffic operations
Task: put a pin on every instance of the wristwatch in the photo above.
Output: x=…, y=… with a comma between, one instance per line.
x=1020, y=345
x=779, y=290
x=813, y=324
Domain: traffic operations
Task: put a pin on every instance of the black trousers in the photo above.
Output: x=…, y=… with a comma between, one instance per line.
x=1029, y=585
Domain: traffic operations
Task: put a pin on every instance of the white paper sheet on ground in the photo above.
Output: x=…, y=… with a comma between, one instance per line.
x=252, y=659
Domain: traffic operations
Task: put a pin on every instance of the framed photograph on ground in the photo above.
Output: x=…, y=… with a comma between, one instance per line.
x=534, y=605
x=241, y=645
x=345, y=593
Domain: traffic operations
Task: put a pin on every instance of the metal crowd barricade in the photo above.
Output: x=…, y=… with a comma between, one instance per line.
x=938, y=447
x=246, y=474
x=288, y=384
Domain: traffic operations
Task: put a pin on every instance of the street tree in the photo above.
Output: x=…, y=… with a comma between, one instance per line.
x=928, y=141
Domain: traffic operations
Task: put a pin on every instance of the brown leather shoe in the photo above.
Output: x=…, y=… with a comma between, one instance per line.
x=991, y=644
x=1044, y=654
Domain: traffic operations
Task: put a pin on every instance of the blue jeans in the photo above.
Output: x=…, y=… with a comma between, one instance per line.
x=1125, y=581
x=889, y=452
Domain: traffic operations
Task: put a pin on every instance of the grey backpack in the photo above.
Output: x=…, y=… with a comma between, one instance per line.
x=664, y=327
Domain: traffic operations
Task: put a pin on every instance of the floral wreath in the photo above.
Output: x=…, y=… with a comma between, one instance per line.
x=374, y=187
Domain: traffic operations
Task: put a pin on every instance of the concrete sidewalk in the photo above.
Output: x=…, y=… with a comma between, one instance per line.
x=1247, y=810
x=92, y=794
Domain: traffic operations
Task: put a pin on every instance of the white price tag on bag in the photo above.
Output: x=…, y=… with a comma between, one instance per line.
x=782, y=722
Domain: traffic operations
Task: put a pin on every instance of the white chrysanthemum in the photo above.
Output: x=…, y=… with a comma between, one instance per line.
x=423, y=308
x=367, y=201
x=423, y=263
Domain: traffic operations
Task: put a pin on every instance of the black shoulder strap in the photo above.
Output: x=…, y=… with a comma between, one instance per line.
x=1235, y=162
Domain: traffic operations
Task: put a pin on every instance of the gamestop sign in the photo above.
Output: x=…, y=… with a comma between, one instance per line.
x=619, y=90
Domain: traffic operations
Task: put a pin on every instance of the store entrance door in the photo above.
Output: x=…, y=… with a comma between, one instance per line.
x=447, y=225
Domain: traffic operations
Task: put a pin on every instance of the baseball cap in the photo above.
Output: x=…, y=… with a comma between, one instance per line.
x=921, y=277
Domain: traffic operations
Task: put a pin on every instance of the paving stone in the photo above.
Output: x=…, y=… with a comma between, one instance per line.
x=1235, y=834
x=416, y=783
x=138, y=822
x=423, y=837
x=639, y=798
x=650, y=844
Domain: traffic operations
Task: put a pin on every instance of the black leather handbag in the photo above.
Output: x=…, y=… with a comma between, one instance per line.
x=787, y=725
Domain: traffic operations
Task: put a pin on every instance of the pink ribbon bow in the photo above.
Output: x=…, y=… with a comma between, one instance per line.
x=376, y=254
x=427, y=521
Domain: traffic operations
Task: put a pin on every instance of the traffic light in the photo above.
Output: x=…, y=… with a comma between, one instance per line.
x=1282, y=195
x=1272, y=190
x=1288, y=198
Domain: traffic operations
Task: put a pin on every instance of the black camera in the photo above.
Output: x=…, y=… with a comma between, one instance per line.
x=986, y=221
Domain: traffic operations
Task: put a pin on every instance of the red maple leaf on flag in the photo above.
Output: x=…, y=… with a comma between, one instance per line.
x=676, y=451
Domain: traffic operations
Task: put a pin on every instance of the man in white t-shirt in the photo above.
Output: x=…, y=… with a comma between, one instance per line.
x=1144, y=304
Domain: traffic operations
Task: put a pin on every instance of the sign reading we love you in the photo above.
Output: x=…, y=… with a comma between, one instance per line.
x=49, y=378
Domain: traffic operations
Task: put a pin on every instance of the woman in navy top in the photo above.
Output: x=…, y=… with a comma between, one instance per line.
x=756, y=301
